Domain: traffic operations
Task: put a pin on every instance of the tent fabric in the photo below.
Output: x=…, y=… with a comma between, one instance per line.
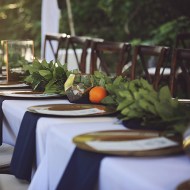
x=49, y=23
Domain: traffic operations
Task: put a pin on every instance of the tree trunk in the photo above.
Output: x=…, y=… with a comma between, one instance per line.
x=70, y=17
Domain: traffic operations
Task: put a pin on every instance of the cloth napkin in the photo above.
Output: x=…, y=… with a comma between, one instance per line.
x=82, y=171
x=24, y=150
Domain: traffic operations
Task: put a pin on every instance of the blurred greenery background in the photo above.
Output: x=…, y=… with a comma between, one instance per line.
x=144, y=21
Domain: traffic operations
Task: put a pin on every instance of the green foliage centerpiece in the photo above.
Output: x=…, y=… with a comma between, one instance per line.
x=138, y=100
x=47, y=77
x=134, y=99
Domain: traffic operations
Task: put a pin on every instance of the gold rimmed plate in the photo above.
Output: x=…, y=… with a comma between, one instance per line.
x=130, y=142
x=72, y=110
x=26, y=94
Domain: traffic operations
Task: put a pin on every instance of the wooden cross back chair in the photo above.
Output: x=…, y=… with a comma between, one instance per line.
x=182, y=40
x=109, y=57
x=149, y=62
x=59, y=38
x=180, y=73
x=79, y=42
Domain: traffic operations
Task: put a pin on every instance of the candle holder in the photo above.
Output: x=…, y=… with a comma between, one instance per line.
x=15, y=54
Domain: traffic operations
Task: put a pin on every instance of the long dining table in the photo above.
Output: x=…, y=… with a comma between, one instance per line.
x=54, y=148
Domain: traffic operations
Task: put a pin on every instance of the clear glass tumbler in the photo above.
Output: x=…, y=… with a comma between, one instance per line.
x=15, y=54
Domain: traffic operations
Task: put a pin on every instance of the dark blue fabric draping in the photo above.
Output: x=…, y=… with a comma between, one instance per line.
x=82, y=171
x=24, y=150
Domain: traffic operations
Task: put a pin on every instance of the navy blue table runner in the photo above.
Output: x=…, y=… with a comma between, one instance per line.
x=82, y=171
x=25, y=147
x=24, y=150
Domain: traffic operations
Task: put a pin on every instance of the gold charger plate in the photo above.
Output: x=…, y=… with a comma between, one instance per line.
x=26, y=94
x=76, y=110
x=128, y=136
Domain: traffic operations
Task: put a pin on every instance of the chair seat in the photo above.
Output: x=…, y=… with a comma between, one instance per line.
x=6, y=152
x=9, y=182
x=153, y=69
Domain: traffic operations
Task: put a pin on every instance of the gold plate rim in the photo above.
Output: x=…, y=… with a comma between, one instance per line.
x=67, y=107
x=82, y=144
x=26, y=94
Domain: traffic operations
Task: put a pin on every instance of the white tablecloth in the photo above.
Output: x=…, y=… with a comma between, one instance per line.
x=54, y=148
x=121, y=173
x=143, y=173
x=14, y=111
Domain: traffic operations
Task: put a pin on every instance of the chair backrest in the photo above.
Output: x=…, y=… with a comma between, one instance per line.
x=59, y=38
x=149, y=62
x=180, y=73
x=82, y=43
x=182, y=40
x=109, y=57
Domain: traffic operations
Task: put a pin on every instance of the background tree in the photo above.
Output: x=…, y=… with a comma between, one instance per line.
x=21, y=19
x=145, y=21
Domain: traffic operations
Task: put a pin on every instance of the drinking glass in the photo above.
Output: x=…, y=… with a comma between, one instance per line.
x=15, y=54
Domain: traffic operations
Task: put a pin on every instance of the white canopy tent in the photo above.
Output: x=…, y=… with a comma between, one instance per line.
x=49, y=23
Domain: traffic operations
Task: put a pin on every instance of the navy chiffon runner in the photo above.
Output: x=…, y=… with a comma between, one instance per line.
x=82, y=171
x=24, y=150
x=25, y=147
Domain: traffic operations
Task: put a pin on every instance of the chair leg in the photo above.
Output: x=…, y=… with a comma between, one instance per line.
x=5, y=170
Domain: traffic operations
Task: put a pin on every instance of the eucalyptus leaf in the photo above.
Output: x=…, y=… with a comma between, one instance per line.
x=43, y=73
x=164, y=94
x=125, y=103
x=102, y=82
x=46, y=74
x=109, y=100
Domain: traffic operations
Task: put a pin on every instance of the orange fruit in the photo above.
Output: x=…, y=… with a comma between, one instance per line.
x=97, y=93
